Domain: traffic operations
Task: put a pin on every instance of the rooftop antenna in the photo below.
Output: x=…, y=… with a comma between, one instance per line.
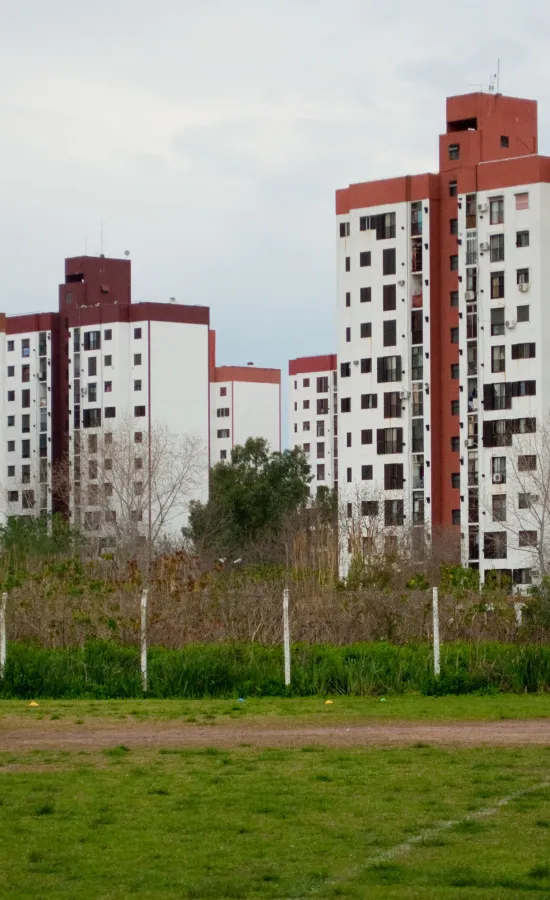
x=498, y=77
x=101, y=236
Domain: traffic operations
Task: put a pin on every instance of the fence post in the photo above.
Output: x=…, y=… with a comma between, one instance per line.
x=3, y=602
x=286, y=636
x=435, y=605
x=144, y=639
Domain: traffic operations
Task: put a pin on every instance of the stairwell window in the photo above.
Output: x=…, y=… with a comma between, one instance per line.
x=522, y=239
x=365, y=295
x=222, y=413
x=139, y=411
x=522, y=201
x=454, y=151
x=522, y=276
x=137, y=333
x=365, y=258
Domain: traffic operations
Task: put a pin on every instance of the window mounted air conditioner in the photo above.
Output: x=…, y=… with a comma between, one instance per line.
x=484, y=246
x=524, y=287
x=482, y=207
x=470, y=295
x=471, y=442
x=497, y=478
x=510, y=323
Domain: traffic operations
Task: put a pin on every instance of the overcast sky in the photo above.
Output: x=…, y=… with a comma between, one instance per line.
x=210, y=138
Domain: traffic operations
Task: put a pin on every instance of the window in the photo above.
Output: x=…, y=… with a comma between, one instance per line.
x=108, y=464
x=453, y=226
x=344, y=229
x=27, y=499
x=109, y=439
x=497, y=247
x=348, y=298
x=495, y=545
x=365, y=295
x=417, y=400
x=454, y=151
x=321, y=472
x=527, y=539
x=527, y=463
x=417, y=363
x=11, y=346
x=139, y=411
x=305, y=404
x=348, y=475
x=523, y=351
x=389, y=261
x=522, y=276
x=108, y=360
x=306, y=448
x=498, y=470
x=138, y=463
x=394, y=513
x=345, y=404
x=11, y=446
x=523, y=388
x=453, y=262
x=524, y=501
x=345, y=370
x=454, y=335
x=522, y=313
x=25, y=399
x=364, y=258
x=108, y=387
x=348, y=263
x=108, y=334
x=390, y=333
x=222, y=412
x=389, y=369
x=92, y=340
x=223, y=390
x=11, y=472
x=389, y=297
x=321, y=450
x=497, y=285
x=417, y=326
x=221, y=433
x=25, y=347
x=499, y=508
x=389, y=440
x=498, y=362
x=369, y=507
x=348, y=439
x=11, y=395
x=455, y=517
x=366, y=473
x=452, y=189
x=306, y=426
x=522, y=201
x=322, y=406
x=11, y=421
x=137, y=359
x=137, y=334
x=504, y=140
x=92, y=468
x=366, y=330
x=348, y=335
x=13, y=496
x=455, y=374
x=91, y=418
x=92, y=443
x=393, y=477
x=392, y=405
x=138, y=437
x=322, y=385
x=455, y=480
x=366, y=366
x=454, y=298
x=110, y=412
x=369, y=401
x=305, y=382
x=455, y=444
x=362, y=223
x=497, y=321
x=383, y=224
x=496, y=211
x=11, y=371
x=522, y=239
x=92, y=392
x=455, y=407
x=366, y=436
x=26, y=449
x=92, y=365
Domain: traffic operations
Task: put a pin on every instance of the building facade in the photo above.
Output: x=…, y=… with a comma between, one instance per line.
x=313, y=398
x=442, y=338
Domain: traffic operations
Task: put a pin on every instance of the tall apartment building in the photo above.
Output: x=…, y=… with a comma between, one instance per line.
x=443, y=332
x=245, y=402
x=314, y=416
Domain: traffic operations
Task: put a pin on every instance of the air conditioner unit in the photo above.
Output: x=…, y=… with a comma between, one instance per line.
x=524, y=287
x=497, y=478
x=404, y=395
x=484, y=246
x=510, y=323
x=401, y=283
x=482, y=207
x=470, y=295
x=471, y=442
x=355, y=362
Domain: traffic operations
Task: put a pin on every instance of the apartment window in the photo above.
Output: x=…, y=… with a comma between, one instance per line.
x=26, y=423
x=524, y=501
x=366, y=330
x=497, y=321
x=390, y=333
x=11, y=395
x=366, y=366
x=221, y=433
x=389, y=369
x=498, y=470
x=345, y=404
x=453, y=262
x=27, y=499
x=497, y=247
x=322, y=406
x=522, y=276
x=455, y=480
x=348, y=439
x=527, y=539
x=471, y=282
x=108, y=438
x=417, y=326
x=389, y=261
x=348, y=298
x=348, y=335
x=454, y=335
x=137, y=334
x=305, y=382
x=11, y=346
x=137, y=359
x=417, y=364
x=366, y=473
x=108, y=360
x=369, y=507
x=496, y=211
x=92, y=340
x=11, y=371
x=25, y=399
x=345, y=370
x=11, y=472
x=363, y=223
x=91, y=418
x=454, y=298
x=453, y=226
x=523, y=388
x=322, y=385
x=369, y=401
x=92, y=468
x=306, y=426
x=522, y=313
x=499, y=508
x=392, y=405
x=504, y=140
x=366, y=436
x=92, y=365
x=305, y=404
x=222, y=412
x=11, y=421
x=498, y=361
x=306, y=448
x=92, y=393
x=393, y=477
x=455, y=444
x=452, y=189
x=527, y=463
x=344, y=229
x=25, y=347
x=455, y=517
x=522, y=239
x=389, y=440
x=108, y=334
x=364, y=258
x=389, y=297
x=223, y=390
x=92, y=443
x=108, y=387
x=321, y=472
x=394, y=513
x=454, y=151
x=365, y=295
x=522, y=201
x=523, y=351
x=110, y=412
x=13, y=496
x=417, y=400
x=11, y=446
x=321, y=450
x=455, y=407
x=495, y=545
x=348, y=475
x=26, y=449
x=138, y=436
x=348, y=263
x=139, y=411
x=108, y=464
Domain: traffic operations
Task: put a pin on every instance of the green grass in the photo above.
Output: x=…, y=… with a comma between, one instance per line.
x=310, y=710
x=272, y=824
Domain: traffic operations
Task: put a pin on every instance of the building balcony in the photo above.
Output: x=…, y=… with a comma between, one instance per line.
x=417, y=301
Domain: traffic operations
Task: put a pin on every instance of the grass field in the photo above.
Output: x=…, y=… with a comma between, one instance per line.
x=249, y=823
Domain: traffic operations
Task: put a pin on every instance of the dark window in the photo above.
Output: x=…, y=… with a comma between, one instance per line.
x=366, y=473
x=523, y=389
x=348, y=439
x=452, y=188
x=137, y=333
x=498, y=359
x=522, y=313
x=345, y=370
x=221, y=433
x=26, y=449
x=11, y=420
x=383, y=224
x=389, y=297
x=499, y=507
x=345, y=404
x=11, y=371
x=108, y=360
x=453, y=262
x=369, y=507
x=497, y=285
x=504, y=140
x=108, y=334
x=92, y=365
x=108, y=387
x=455, y=407
x=393, y=477
x=495, y=545
x=527, y=538
x=497, y=321
x=389, y=369
x=92, y=340
x=496, y=243
x=322, y=406
x=362, y=223
x=394, y=513
x=13, y=496
x=527, y=463
x=110, y=412
x=139, y=411
x=11, y=446
x=364, y=258
x=455, y=480
x=137, y=359
x=223, y=412
x=392, y=405
x=455, y=517
x=390, y=333
x=369, y=401
x=348, y=263
x=348, y=298
x=366, y=436
x=321, y=450
x=322, y=384
x=454, y=151
x=344, y=229
x=389, y=440
x=11, y=345
x=522, y=239
x=11, y=395
x=455, y=444
x=321, y=472
x=454, y=335
x=453, y=226
x=522, y=276
x=27, y=499
x=348, y=475
x=496, y=211
x=417, y=364
x=25, y=399
x=348, y=335
x=365, y=295
x=523, y=351
x=454, y=298
x=389, y=261
x=91, y=418
x=366, y=366
x=366, y=330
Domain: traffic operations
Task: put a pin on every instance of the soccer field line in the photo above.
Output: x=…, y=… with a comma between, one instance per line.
x=428, y=833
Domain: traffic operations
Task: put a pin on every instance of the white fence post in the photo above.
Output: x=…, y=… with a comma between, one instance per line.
x=435, y=605
x=3, y=602
x=286, y=632
x=144, y=639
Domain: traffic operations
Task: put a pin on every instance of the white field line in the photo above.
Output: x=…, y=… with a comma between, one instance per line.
x=399, y=849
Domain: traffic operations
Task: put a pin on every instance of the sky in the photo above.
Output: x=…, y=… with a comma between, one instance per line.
x=209, y=138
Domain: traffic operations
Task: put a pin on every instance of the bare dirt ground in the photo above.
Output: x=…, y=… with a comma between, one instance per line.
x=98, y=735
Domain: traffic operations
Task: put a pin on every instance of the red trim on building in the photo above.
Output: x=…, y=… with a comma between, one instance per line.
x=249, y=374
x=306, y=364
x=406, y=189
x=31, y=322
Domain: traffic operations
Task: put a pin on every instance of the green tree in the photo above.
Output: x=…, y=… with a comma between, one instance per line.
x=249, y=497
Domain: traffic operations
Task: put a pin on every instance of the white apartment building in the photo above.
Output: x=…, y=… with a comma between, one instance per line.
x=313, y=402
x=245, y=402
